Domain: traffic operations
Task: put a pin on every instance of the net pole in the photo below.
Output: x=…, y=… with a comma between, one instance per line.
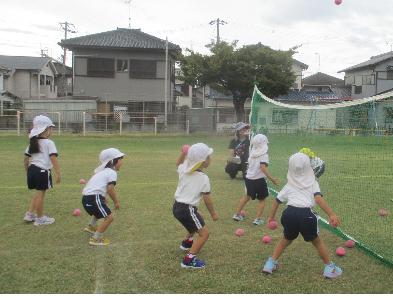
x=188, y=127
x=18, y=122
x=58, y=122
x=155, y=125
x=84, y=123
x=120, y=122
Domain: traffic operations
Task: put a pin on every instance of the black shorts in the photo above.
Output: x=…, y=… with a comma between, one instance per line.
x=256, y=188
x=39, y=179
x=301, y=220
x=188, y=216
x=95, y=205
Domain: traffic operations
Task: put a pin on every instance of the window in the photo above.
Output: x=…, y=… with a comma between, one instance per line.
x=143, y=69
x=282, y=116
x=388, y=114
x=368, y=79
x=389, y=75
x=101, y=67
x=122, y=65
x=42, y=79
x=358, y=89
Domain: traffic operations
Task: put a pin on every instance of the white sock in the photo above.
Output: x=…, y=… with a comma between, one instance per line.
x=93, y=221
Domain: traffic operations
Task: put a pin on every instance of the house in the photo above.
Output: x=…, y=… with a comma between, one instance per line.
x=29, y=77
x=63, y=79
x=3, y=72
x=124, y=68
x=371, y=77
x=297, y=68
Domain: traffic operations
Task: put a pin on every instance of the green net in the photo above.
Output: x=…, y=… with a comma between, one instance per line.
x=354, y=139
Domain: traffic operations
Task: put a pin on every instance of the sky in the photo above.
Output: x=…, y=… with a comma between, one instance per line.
x=331, y=37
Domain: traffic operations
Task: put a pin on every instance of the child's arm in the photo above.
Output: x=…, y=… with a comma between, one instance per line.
x=273, y=211
x=112, y=193
x=26, y=162
x=264, y=169
x=180, y=159
x=333, y=219
x=209, y=204
x=56, y=166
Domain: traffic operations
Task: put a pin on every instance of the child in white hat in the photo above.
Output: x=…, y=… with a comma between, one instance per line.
x=301, y=193
x=193, y=185
x=94, y=195
x=40, y=157
x=255, y=181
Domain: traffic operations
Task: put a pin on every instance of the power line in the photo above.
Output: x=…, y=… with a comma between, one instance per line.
x=67, y=27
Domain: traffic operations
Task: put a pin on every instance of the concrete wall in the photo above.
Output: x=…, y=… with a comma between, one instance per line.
x=122, y=87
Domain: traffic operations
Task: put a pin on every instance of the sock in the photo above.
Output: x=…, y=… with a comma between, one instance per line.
x=93, y=221
x=97, y=235
x=190, y=239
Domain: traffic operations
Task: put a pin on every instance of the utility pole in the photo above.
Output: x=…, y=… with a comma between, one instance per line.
x=67, y=27
x=218, y=22
x=129, y=13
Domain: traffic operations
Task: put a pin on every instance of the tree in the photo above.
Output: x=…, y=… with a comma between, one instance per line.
x=238, y=69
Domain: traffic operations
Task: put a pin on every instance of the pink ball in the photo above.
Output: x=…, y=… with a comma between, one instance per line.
x=82, y=181
x=239, y=232
x=272, y=225
x=185, y=148
x=338, y=2
x=243, y=213
x=350, y=244
x=266, y=239
x=383, y=212
x=76, y=212
x=340, y=251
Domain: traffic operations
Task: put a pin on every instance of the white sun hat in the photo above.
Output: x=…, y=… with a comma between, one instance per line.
x=196, y=155
x=259, y=145
x=106, y=156
x=300, y=174
x=40, y=124
x=240, y=125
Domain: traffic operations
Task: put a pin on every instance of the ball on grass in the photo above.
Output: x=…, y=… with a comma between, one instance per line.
x=272, y=225
x=243, y=213
x=185, y=148
x=383, y=212
x=266, y=239
x=82, y=181
x=239, y=232
x=76, y=212
x=350, y=244
x=340, y=251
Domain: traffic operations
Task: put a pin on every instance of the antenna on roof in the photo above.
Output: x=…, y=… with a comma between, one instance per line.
x=129, y=12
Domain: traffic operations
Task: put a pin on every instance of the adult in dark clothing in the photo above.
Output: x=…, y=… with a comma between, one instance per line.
x=238, y=151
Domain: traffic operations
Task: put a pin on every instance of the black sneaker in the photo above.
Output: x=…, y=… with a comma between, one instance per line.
x=186, y=245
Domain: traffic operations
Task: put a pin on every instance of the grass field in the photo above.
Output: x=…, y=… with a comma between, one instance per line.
x=144, y=256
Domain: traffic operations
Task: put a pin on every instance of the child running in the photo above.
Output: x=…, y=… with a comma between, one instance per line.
x=94, y=193
x=40, y=157
x=301, y=193
x=256, y=186
x=193, y=185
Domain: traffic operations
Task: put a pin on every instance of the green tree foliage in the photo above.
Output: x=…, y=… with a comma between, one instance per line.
x=238, y=69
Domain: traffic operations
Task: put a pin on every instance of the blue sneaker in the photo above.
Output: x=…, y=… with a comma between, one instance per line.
x=193, y=263
x=186, y=245
x=270, y=266
x=332, y=271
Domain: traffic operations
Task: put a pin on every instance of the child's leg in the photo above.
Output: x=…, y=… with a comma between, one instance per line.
x=243, y=201
x=284, y=243
x=203, y=235
x=105, y=224
x=38, y=203
x=322, y=250
x=260, y=208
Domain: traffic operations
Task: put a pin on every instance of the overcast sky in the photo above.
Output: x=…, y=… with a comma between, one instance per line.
x=337, y=36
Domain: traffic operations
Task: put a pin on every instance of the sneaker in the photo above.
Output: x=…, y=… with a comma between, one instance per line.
x=270, y=266
x=257, y=221
x=332, y=271
x=99, y=242
x=30, y=217
x=238, y=217
x=44, y=220
x=90, y=229
x=193, y=263
x=186, y=245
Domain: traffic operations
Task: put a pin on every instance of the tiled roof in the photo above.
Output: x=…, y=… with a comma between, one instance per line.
x=371, y=62
x=302, y=65
x=23, y=62
x=119, y=38
x=322, y=79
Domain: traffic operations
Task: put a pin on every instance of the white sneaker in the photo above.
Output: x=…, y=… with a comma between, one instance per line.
x=29, y=217
x=258, y=221
x=44, y=220
x=238, y=217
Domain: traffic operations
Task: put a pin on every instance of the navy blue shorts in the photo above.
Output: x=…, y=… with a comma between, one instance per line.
x=257, y=188
x=39, y=179
x=188, y=216
x=95, y=205
x=301, y=220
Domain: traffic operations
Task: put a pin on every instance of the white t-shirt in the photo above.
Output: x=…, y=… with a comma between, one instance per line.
x=42, y=158
x=98, y=183
x=254, y=166
x=191, y=186
x=299, y=197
